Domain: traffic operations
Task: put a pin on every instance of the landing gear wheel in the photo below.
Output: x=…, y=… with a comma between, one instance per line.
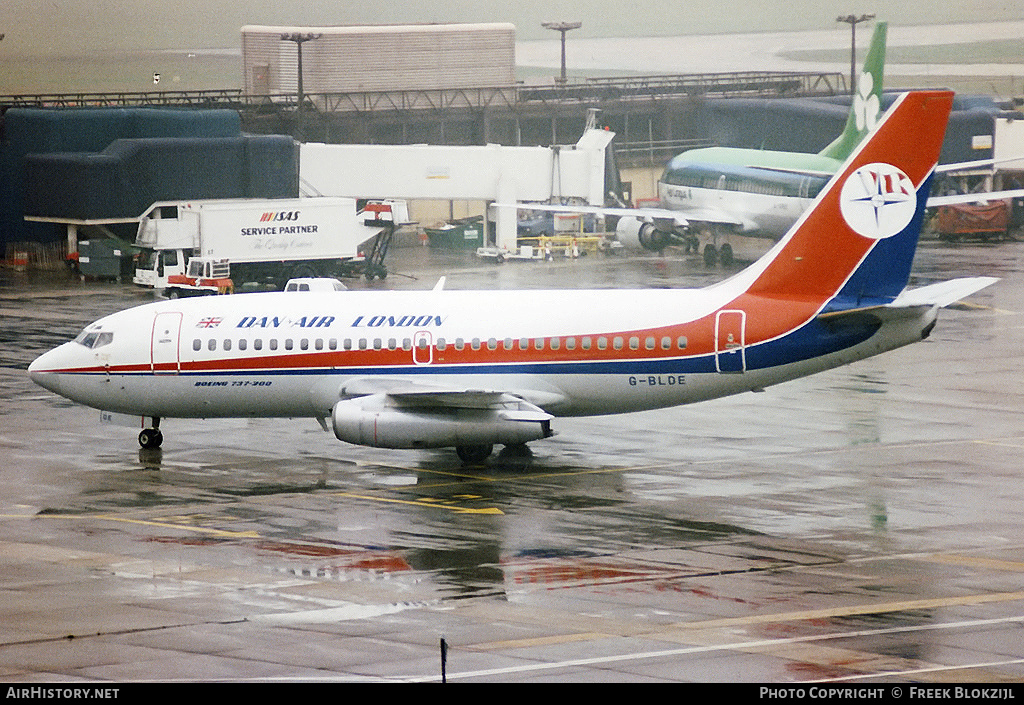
x=150, y=438
x=710, y=255
x=725, y=255
x=474, y=454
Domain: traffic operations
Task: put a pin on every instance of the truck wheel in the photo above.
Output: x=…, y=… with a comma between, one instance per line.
x=173, y=294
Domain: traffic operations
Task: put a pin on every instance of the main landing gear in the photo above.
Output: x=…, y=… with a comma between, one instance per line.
x=713, y=255
x=474, y=454
x=150, y=438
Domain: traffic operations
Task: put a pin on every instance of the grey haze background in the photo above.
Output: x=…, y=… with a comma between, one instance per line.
x=76, y=27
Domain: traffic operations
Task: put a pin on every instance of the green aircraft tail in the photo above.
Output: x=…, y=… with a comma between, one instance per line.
x=866, y=107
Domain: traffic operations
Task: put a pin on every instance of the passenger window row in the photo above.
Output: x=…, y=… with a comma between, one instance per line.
x=569, y=343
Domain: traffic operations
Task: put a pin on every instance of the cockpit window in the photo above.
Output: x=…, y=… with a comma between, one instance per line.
x=95, y=338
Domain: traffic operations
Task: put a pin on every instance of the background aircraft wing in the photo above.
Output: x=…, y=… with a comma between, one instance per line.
x=640, y=213
x=678, y=218
x=976, y=164
x=982, y=197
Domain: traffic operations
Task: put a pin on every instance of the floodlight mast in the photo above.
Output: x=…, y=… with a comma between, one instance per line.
x=853, y=21
x=300, y=38
x=562, y=27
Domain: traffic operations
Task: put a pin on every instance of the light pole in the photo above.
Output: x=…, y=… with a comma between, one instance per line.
x=300, y=38
x=562, y=27
x=853, y=21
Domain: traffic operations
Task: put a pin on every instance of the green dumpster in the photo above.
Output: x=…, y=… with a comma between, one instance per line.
x=461, y=234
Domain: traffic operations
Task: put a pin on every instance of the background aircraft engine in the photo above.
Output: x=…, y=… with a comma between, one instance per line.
x=369, y=422
x=634, y=233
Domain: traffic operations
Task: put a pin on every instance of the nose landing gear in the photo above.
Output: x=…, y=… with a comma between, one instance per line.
x=151, y=437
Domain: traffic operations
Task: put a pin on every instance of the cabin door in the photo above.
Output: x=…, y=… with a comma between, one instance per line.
x=730, y=341
x=164, y=358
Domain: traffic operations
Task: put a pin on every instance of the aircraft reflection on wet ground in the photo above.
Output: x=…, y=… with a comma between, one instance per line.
x=863, y=524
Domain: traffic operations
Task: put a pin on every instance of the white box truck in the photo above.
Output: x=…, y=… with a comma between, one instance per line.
x=265, y=241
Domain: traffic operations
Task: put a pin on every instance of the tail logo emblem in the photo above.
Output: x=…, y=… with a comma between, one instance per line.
x=878, y=201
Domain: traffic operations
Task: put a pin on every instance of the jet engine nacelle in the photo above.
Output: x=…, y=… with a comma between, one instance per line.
x=370, y=421
x=635, y=233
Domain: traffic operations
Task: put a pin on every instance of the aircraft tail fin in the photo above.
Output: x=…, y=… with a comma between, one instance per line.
x=855, y=245
x=866, y=106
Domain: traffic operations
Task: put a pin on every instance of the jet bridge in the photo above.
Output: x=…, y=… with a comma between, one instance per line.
x=486, y=173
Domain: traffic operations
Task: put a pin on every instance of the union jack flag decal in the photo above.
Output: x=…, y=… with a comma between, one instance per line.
x=209, y=322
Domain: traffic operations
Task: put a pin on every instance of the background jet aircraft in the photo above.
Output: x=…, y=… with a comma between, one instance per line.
x=709, y=194
x=726, y=201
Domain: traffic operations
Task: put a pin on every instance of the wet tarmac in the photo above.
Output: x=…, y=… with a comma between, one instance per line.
x=863, y=525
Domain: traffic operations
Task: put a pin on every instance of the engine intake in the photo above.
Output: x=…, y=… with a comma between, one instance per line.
x=631, y=232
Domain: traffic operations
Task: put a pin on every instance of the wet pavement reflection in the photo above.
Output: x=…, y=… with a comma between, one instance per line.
x=864, y=523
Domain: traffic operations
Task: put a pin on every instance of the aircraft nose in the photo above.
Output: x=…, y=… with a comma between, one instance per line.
x=41, y=372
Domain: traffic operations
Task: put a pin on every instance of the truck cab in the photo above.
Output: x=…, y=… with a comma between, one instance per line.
x=165, y=241
x=153, y=267
x=204, y=277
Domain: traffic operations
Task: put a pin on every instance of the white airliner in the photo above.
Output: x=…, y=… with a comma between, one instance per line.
x=470, y=369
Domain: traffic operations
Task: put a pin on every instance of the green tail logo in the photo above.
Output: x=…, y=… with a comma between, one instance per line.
x=866, y=108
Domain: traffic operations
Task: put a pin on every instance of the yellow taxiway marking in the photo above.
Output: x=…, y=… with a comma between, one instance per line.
x=539, y=641
x=184, y=527
x=974, y=562
x=426, y=502
x=144, y=522
x=882, y=607
x=713, y=631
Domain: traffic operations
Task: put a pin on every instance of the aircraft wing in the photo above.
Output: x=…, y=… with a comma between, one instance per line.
x=983, y=197
x=405, y=392
x=976, y=164
x=647, y=214
x=678, y=218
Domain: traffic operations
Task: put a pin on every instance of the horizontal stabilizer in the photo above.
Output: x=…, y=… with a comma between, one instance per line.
x=943, y=293
x=912, y=301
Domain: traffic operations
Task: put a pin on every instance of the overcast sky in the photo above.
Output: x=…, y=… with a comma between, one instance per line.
x=70, y=27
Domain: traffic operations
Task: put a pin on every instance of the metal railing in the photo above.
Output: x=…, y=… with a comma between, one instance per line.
x=223, y=98
x=518, y=97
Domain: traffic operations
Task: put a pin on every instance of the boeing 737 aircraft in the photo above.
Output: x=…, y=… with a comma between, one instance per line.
x=470, y=369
